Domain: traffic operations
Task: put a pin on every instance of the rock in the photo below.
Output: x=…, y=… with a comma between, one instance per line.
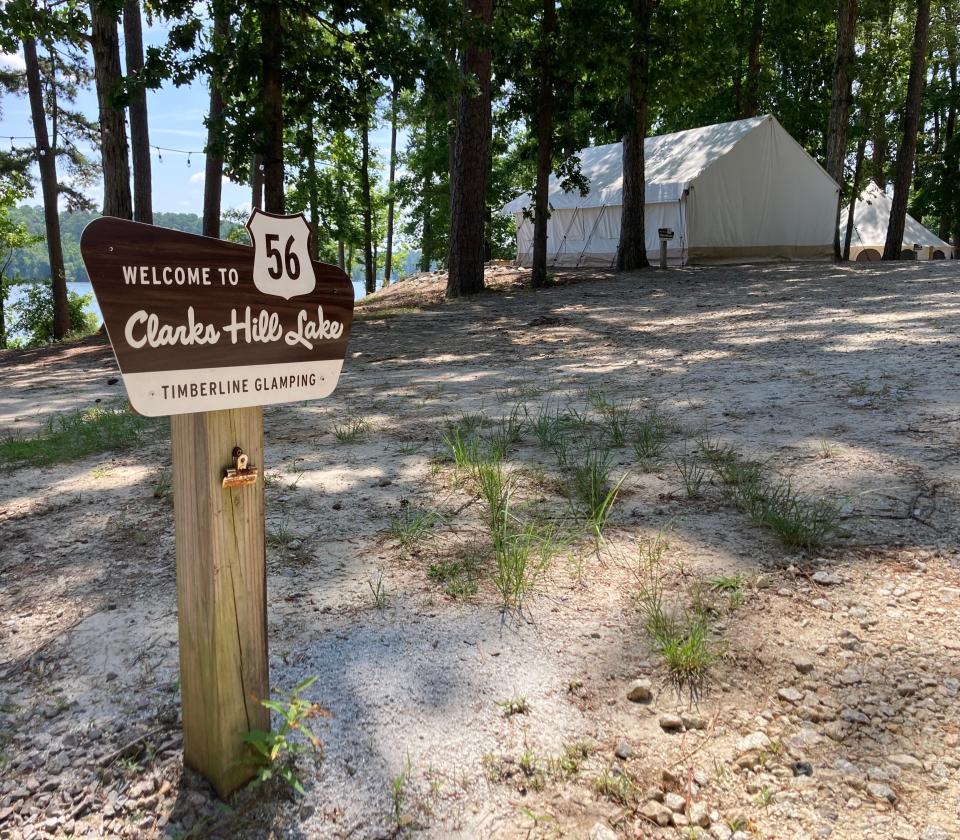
x=904, y=760
x=802, y=768
x=822, y=604
x=803, y=663
x=675, y=802
x=679, y=820
x=933, y=832
x=881, y=792
x=640, y=691
x=904, y=831
x=623, y=751
x=719, y=831
x=847, y=768
x=754, y=742
x=850, y=676
x=601, y=831
x=699, y=815
x=836, y=730
x=693, y=722
x=671, y=723
x=656, y=812
x=790, y=695
x=825, y=578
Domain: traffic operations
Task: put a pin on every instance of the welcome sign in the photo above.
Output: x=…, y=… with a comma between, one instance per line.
x=201, y=324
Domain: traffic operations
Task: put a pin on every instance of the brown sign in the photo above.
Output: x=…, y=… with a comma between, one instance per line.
x=201, y=324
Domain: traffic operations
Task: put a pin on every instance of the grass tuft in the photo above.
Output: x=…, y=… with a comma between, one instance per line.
x=76, y=434
x=353, y=431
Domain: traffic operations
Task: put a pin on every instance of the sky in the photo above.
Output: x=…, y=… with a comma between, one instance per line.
x=176, y=122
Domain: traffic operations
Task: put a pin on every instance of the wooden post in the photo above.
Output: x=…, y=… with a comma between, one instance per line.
x=221, y=593
x=663, y=253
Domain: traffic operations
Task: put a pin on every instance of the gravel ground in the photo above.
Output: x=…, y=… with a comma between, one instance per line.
x=832, y=708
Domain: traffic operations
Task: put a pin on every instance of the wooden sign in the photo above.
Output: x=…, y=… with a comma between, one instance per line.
x=665, y=233
x=201, y=324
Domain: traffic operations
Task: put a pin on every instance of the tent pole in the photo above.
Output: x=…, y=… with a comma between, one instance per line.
x=590, y=237
x=564, y=240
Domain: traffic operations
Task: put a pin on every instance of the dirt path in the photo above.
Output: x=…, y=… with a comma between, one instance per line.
x=844, y=380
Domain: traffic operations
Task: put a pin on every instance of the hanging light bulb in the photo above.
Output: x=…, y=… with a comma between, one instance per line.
x=188, y=158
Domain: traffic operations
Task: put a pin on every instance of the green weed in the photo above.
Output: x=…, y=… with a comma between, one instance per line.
x=458, y=576
x=514, y=706
x=412, y=527
x=352, y=431
x=521, y=556
x=274, y=752
x=77, y=434
x=692, y=474
x=379, y=592
x=650, y=436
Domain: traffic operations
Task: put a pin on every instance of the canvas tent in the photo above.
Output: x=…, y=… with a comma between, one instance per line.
x=734, y=192
x=871, y=217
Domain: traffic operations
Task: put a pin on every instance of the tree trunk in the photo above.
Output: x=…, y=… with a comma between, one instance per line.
x=544, y=120
x=350, y=250
x=840, y=104
x=632, y=250
x=105, y=44
x=256, y=181
x=427, y=233
x=908, y=145
x=213, y=173
x=468, y=182
x=369, y=277
x=751, y=99
x=47, y=162
x=341, y=258
x=139, y=130
x=388, y=257
x=313, y=199
x=271, y=57
x=855, y=195
x=951, y=156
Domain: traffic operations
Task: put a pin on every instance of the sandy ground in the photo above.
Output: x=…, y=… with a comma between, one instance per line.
x=844, y=380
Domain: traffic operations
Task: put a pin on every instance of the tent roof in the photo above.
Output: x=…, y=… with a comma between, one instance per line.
x=671, y=162
x=871, y=217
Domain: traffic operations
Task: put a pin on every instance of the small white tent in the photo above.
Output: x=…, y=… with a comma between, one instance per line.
x=871, y=217
x=734, y=192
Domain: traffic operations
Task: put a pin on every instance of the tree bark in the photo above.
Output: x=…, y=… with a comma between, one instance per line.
x=313, y=198
x=271, y=57
x=854, y=195
x=751, y=100
x=256, y=181
x=840, y=105
x=908, y=145
x=139, y=129
x=388, y=256
x=105, y=44
x=951, y=155
x=468, y=182
x=47, y=162
x=213, y=172
x=427, y=232
x=369, y=275
x=632, y=250
x=544, y=121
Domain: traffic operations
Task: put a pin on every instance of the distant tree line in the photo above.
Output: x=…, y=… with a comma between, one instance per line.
x=494, y=98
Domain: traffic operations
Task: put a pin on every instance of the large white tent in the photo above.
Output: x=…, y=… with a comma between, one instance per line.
x=733, y=192
x=871, y=217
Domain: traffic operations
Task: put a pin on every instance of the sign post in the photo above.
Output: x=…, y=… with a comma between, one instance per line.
x=664, y=234
x=208, y=331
